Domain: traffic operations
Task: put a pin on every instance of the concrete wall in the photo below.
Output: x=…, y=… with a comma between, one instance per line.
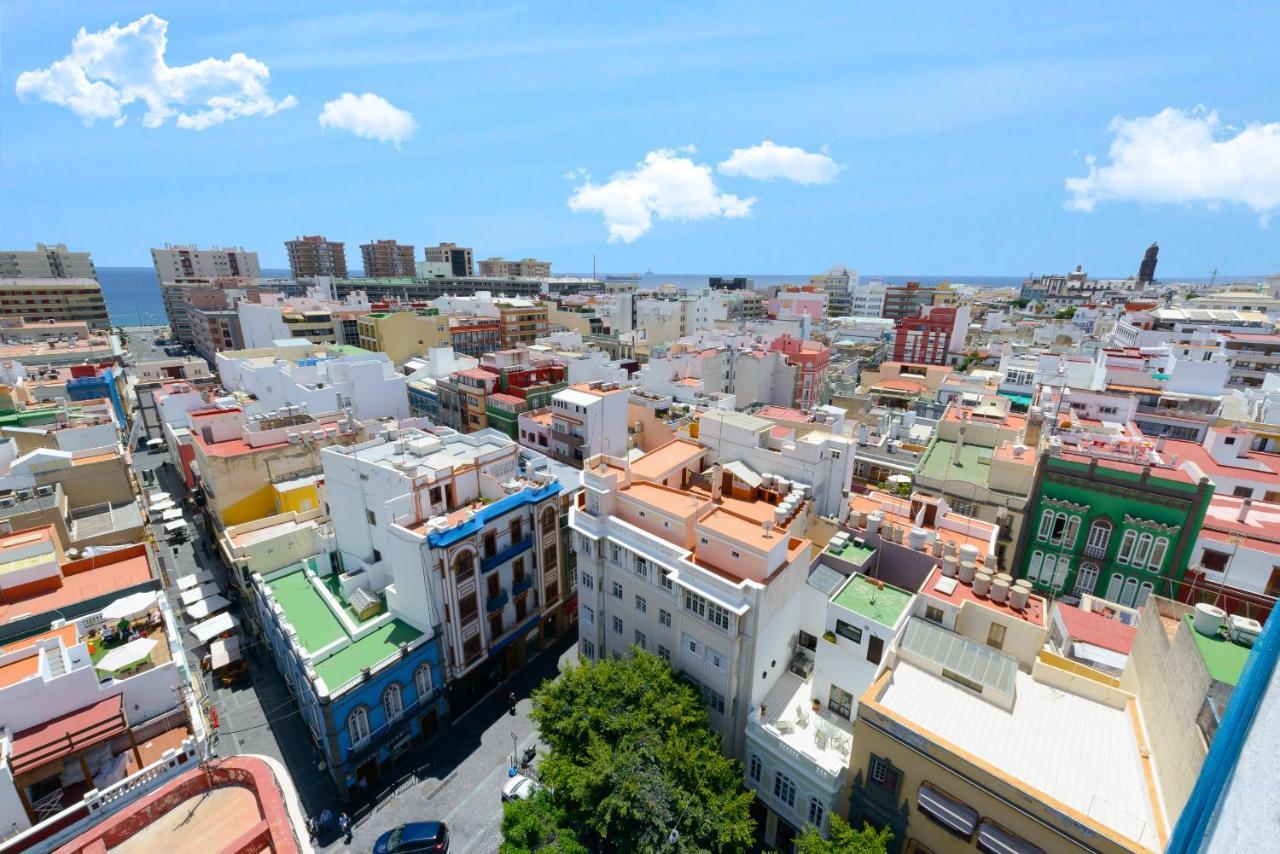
x=1171, y=681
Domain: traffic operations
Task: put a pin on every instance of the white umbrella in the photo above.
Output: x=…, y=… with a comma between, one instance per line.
x=205, y=607
x=129, y=606
x=899, y=478
x=124, y=656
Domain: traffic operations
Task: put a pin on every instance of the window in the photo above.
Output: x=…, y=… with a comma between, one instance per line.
x=1099, y=536
x=932, y=614
x=883, y=774
x=615, y=553
x=358, y=726
x=665, y=582
x=718, y=616
x=617, y=625
x=588, y=615
x=642, y=567
x=1086, y=579
x=840, y=701
x=664, y=617
x=588, y=583
x=1143, y=550
x=393, y=702
x=815, y=812
x=370, y=518
x=422, y=681
x=715, y=659
x=588, y=648
x=1113, y=587
x=695, y=603
x=1046, y=525
x=784, y=789
x=617, y=590
x=995, y=636
x=1243, y=492
x=641, y=640
x=664, y=653
x=1126, y=547
x=853, y=633
x=495, y=626
x=715, y=702
x=1144, y=590
x=586, y=547
x=875, y=649
x=490, y=544
x=467, y=607
x=1073, y=529
x=755, y=768
x=1059, y=528
x=1215, y=561
x=517, y=531
x=1035, y=565
x=641, y=605
x=1130, y=592
x=1158, y=551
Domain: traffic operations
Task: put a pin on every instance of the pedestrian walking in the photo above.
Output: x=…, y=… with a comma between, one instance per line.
x=344, y=826
x=313, y=827
x=326, y=820
x=511, y=703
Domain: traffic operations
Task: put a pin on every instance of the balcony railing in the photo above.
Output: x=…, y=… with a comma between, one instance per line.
x=496, y=603
x=522, y=585
x=500, y=557
x=567, y=437
x=1095, y=551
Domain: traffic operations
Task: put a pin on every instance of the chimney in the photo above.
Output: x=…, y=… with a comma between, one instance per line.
x=1035, y=427
x=1244, y=509
x=717, y=482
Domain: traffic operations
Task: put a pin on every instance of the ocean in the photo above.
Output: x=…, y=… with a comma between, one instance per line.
x=133, y=293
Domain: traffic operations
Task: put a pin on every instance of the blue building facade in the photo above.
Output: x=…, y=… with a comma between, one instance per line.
x=102, y=386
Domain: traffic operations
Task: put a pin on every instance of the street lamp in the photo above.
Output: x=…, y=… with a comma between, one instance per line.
x=513, y=754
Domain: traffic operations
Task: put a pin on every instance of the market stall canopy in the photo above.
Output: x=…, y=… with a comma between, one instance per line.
x=186, y=582
x=214, y=626
x=195, y=594
x=126, y=656
x=129, y=606
x=170, y=515
x=205, y=607
x=224, y=651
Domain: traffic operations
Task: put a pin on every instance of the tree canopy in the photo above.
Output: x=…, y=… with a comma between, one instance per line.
x=537, y=824
x=631, y=757
x=843, y=839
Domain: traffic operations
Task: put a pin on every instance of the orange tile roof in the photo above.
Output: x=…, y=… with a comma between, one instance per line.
x=101, y=580
x=665, y=459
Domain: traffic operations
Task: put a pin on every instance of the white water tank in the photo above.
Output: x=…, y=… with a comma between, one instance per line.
x=873, y=522
x=1208, y=619
x=981, y=583
x=969, y=552
x=1000, y=588
x=1018, y=597
x=859, y=519
x=949, y=567
x=968, y=569
x=917, y=538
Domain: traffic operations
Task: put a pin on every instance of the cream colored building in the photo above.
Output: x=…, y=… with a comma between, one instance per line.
x=184, y=262
x=46, y=262
x=404, y=334
x=36, y=300
x=525, y=268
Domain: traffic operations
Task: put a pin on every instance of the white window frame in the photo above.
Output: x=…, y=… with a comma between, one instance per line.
x=423, y=685
x=1126, y=546
x=393, y=702
x=356, y=721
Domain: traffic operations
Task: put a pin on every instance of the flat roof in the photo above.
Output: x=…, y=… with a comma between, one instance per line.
x=663, y=498
x=961, y=593
x=79, y=586
x=374, y=647
x=1078, y=752
x=1225, y=659
x=306, y=611
x=942, y=461
x=880, y=602
x=662, y=461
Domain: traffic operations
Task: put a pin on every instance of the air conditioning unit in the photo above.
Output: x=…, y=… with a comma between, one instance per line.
x=25, y=493
x=1243, y=630
x=44, y=490
x=294, y=439
x=8, y=501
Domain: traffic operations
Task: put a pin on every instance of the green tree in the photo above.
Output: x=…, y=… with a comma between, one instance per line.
x=537, y=824
x=1066, y=313
x=631, y=757
x=843, y=839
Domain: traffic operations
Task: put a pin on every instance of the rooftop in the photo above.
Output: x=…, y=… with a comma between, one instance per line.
x=823, y=736
x=87, y=578
x=1060, y=747
x=661, y=462
x=943, y=462
x=877, y=601
x=961, y=594
x=1224, y=658
x=1098, y=629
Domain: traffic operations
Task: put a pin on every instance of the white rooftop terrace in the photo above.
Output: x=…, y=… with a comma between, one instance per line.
x=822, y=737
x=1079, y=752
x=432, y=452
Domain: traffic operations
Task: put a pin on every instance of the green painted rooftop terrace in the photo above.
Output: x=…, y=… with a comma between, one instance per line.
x=1224, y=658
x=853, y=553
x=862, y=596
x=318, y=626
x=943, y=462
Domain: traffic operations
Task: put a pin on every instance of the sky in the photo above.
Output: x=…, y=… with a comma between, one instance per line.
x=1004, y=139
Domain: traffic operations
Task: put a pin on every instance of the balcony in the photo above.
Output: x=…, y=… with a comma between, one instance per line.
x=496, y=603
x=820, y=741
x=522, y=585
x=500, y=557
x=568, y=438
x=1095, y=550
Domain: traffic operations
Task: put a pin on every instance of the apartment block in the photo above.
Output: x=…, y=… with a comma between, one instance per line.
x=935, y=337
x=315, y=256
x=521, y=322
x=175, y=262
x=525, y=268
x=458, y=258
x=588, y=419
x=902, y=301
x=387, y=259
x=54, y=299
x=46, y=262
x=403, y=335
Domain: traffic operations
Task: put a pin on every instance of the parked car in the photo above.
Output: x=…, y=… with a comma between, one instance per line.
x=520, y=787
x=416, y=837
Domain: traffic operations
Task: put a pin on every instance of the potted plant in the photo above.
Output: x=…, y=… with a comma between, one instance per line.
x=817, y=704
x=829, y=637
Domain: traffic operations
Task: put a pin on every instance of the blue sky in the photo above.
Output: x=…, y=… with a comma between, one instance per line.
x=954, y=134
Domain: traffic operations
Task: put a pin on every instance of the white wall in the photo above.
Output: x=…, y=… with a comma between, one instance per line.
x=260, y=324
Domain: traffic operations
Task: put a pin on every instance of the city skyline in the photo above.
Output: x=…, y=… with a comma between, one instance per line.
x=682, y=141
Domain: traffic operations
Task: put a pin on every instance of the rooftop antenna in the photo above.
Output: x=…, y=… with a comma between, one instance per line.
x=1213, y=276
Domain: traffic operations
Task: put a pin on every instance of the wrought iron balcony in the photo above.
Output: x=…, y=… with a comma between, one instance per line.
x=522, y=585
x=502, y=556
x=496, y=603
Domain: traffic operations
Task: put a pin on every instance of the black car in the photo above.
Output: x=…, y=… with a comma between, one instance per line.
x=428, y=837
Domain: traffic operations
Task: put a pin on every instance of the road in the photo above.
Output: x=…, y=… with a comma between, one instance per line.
x=457, y=778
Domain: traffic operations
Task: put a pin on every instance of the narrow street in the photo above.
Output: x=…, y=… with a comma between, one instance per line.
x=458, y=778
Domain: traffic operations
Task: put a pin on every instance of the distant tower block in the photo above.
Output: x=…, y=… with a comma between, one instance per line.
x=1147, y=271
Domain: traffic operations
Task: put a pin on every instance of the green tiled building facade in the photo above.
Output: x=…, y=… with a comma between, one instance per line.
x=1115, y=531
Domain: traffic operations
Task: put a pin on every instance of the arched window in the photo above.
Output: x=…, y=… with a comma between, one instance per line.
x=393, y=702
x=1033, y=566
x=1086, y=579
x=1143, y=592
x=1059, y=579
x=1046, y=572
x=1126, y=547
x=816, y=812
x=1073, y=528
x=1099, y=536
x=358, y=725
x=422, y=681
x=1046, y=525
x=1130, y=591
x=1142, y=551
x=549, y=520
x=1158, y=551
x=1113, y=587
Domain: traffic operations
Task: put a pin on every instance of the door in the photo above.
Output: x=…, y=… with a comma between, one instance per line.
x=1113, y=587
x=428, y=725
x=1086, y=579
x=368, y=772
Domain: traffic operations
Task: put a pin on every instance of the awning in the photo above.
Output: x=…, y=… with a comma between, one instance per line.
x=68, y=734
x=126, y=656
x=205, y=607
x=175, y=526
x=743, y=472
x=520, y=632
x=161, y=505
x=155, y=442
x=1020, y=399
x=1099, y=655
x=128, y=607
x=956, y=817
x=171, y=515
x=214, y=626
x=224, y=651
x=994, y=839
x=156, y=497
x=186, y=582
x=195, y=594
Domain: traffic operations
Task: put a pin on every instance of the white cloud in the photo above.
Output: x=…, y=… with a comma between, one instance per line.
x=110, y=69
x=1183, y=156
x=768, y=160
x=664, y=186
x=370, y=116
